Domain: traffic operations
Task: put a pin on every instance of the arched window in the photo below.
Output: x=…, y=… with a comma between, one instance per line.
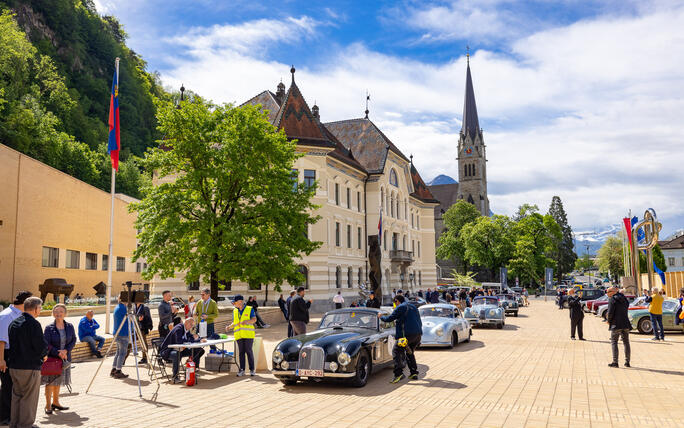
x=382, y=197
x=360, y=276
x=338, y=277
x=474, y=170
x=420, y=277
x=304, y=271
x=350, y=276
x=393, y=178
x=403, y=243
x=398, y=205
x=392, y=205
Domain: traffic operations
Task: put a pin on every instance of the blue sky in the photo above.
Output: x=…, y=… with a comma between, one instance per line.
x=580, y=99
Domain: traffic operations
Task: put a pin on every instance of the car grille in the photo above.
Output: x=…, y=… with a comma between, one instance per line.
x=482, y=314
x=311, y=358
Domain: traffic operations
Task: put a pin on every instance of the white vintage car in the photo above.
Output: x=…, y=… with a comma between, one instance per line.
x=443, y=325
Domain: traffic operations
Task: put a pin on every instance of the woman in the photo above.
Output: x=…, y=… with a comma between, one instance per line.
x=190, y=307
x=60, y=337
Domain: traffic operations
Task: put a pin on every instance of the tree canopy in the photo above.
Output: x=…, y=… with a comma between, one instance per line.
x=451, y=245
x=564, y=253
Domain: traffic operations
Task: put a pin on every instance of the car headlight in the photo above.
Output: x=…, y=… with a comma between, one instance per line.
x=277, y=356
x=492, y=312
x=333, y=366
x=285, y=365
x=343, y=359
x=439, y=331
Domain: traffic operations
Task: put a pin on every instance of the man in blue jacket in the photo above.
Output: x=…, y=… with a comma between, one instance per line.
x=410, y=328
x=86, y=333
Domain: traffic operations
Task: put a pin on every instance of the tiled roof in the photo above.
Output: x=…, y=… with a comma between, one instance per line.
x=420, y=190
x=342, y=153
x=295, y=117
x=674, y=244
x=446, y=194
x=268, y=101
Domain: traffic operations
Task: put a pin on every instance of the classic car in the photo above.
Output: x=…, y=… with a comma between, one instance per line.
x=634, y=303
x=349, y=345
x=588, y=305
x=443, y=325
x=641, y=319
x=510, y=304
x=485, y=311
x=417, y=301
x=600, y=303
x=585, y=295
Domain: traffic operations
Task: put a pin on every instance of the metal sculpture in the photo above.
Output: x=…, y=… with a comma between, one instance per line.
x=648, y=229
x=56, y=286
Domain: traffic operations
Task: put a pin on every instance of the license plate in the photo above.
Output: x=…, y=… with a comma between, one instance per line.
x=309, y=373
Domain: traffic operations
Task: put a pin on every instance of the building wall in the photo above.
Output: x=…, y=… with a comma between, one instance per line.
x=42, y=206
x=674, y=260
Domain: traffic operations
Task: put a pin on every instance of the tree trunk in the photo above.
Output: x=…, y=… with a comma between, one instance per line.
x=213, y=280
x=266, y=296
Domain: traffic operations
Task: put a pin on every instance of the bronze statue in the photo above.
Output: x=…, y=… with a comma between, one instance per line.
x=56, y=286
x=375, y=271
x=100, y=289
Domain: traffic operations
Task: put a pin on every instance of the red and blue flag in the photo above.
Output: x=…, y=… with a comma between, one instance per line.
x=114, y=144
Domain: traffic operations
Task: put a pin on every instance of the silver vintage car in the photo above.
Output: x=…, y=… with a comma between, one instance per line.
x=485, y=310
x=443, y=325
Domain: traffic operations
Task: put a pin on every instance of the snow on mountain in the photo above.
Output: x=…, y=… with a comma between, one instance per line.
x=589, y=241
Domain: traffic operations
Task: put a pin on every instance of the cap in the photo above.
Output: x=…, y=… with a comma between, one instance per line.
x=238, y=297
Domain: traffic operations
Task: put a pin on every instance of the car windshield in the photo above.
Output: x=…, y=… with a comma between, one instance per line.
x=639, y=301
x=670, y=305
x=436, y=312
x=485, y=301
x=603, y=298
x=350, y=319
x=507, y=297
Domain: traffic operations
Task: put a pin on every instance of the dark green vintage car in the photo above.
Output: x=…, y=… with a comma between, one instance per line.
x=349, y=345
x=641, y=319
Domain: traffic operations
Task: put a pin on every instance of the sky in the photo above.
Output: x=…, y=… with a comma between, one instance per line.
x=580, y=99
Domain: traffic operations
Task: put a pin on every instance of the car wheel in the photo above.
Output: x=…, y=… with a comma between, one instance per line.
x=499, y=326
x=470, y=333
x=363, y=369
x=644, y=326
x=603, y=315
x=454, y=340
x=515, y=314
x=565, y=305
x=288, y=381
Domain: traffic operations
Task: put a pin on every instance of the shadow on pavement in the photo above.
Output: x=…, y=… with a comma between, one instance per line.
x=136, y=399
x=511, y=327
x=666, y=372
x=69, y=419
x=461, y=347
x=229, y=379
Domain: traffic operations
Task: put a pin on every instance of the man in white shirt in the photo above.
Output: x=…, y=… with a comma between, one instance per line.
x=6, y=317
x=338, y=300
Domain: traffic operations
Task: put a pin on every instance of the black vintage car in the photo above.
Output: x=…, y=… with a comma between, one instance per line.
x=349, y=345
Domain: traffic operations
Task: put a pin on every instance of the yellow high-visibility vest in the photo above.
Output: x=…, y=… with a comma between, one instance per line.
x=244, y=331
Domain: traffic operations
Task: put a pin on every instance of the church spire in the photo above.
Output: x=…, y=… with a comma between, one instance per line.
x=471, y=124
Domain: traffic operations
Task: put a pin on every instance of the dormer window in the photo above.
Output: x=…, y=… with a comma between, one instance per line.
x=393, y=178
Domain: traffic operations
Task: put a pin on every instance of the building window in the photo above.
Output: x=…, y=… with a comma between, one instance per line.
x=474, y=171
x=418, y=248
x=358, y=237
x=403, y=243
x=393, y=178
x=360, y=275
x=411, y=219
x=50, y=257
x=670, y=261
x=392, y=206
x=384, y=240
x=349, y=238
x=413, y=245
x=91, y=261
x=405, y=209
x=395, y=238
x=121, y=264
x=227, y=285
x=682, y=261
x=309, y=177
x=350, y=277
x=338, y=277
x=138, y=267
x=348, y=198
x=73, y=259
x=417, y=222
x=420, y=273
x=294, y=176
x=105, y=262
x=337, y=194
x=304, y=271
x=337, y=234
x=398, y=210
x=358, y=201
x=193, y=286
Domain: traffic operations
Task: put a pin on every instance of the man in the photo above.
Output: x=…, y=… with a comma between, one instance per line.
x=166, y=313
x=618, y=322
x=410, y=327
x=560, y=298
x=206, y=311
x=281, y=305
x=243, y=327
x=435, y=297
x=142, y=312
x=290, y=333
x=299, y=312
x=576, y=315
x=27, y=352
x=255, y=306
x=338, y=300
x=13, y=312
x=655, y=309
x=180, y=334
x=121, y=340
x=373, y=301
x=86, y=333
x=420, y=293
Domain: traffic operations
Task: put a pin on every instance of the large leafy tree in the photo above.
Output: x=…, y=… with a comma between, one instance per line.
x=536, y=236
x=488, y=242
x=224, y=206
x=610, y=257
x=564, y=253
x=451, y=245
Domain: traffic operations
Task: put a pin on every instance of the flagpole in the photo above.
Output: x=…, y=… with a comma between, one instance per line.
x=110, y=260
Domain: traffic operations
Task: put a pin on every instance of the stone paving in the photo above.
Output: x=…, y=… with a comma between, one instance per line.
x=528, y=374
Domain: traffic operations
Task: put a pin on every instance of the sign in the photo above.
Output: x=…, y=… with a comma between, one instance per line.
x=504, y=278
x=549, y=278
x=517, y=282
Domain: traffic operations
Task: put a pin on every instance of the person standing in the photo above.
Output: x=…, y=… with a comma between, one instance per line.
x=166, y=314
x=618, y=323
x=244, y=333
x=290, y=332
x=338, y=300
x=299, y=312
x=179, y=334
x=60, y=337
x=678, y=315
x=8, y=315
x=409, y=330
x=206, y=311
x=142, y=313
x=87, y=328
x=576, y=315
x=27, y=352
x=121, y=339
x=373, y=301
x=252, y=302
x=189, y=309
x=655, y=309
x=281, y=305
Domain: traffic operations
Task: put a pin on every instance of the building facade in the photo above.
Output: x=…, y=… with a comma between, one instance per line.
x=359, y=173
x=673, y=250
x=53, y=225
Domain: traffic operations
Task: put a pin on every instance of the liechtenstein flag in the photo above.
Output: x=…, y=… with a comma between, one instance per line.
x=114, y=143
x=380, y=228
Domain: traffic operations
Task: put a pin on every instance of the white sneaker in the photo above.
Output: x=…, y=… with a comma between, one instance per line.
x=240, y=373
x=252, y=373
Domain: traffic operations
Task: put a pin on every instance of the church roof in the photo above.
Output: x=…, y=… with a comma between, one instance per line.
x=446, y=194
x=471, y=123
x=268, y=101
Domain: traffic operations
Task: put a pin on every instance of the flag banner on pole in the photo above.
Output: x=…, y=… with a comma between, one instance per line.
x=380, y=228
x=114, y=143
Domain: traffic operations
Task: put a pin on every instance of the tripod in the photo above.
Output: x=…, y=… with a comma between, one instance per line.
x=133, y=334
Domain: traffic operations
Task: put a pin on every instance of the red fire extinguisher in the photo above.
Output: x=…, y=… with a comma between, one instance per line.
x=190, y=372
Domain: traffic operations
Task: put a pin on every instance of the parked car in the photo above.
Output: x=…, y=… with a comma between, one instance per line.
x=417, y=301
x=588, y=305
x=510, y=304
x=348, y=345
x=600, y=303
x=634, y=303
x=641, y=320
x=586, y=294
x=155, y=301
x=443, y=325
x=485, y=310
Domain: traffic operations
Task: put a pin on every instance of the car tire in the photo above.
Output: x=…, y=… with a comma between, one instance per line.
x=288, y=381
x=515, y=314
x=499, y=326
x=565, y=305
x=470, y=333
x=363, y=370
x=454, y=340
x=645, y=326
x=603, y=315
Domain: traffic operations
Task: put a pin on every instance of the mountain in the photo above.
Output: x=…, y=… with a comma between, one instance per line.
x=589, y=242
x=441, y=179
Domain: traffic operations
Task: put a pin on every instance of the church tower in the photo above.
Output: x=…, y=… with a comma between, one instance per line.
x=472, y=158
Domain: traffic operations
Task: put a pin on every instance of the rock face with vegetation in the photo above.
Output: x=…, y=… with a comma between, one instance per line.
x=56, y=69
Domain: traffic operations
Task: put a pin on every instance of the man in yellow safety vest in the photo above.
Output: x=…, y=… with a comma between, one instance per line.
x=243, y=326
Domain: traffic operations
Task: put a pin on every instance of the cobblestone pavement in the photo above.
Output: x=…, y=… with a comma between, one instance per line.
x=528, y=374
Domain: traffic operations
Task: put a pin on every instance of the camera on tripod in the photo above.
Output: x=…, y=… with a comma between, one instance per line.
x=132, y=296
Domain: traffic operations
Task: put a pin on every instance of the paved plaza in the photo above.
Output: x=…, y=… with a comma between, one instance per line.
x=528, y=374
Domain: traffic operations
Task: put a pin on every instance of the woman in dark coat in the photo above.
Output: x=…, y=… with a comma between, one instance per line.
x=60, y=337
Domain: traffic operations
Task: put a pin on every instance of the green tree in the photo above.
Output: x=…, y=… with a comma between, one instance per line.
x=225, y=207
x=564, y=253
x=585, y=262
x=451, y=246
x=658, y=259
x=488, y=242
x=536, y=236
x=610, y=257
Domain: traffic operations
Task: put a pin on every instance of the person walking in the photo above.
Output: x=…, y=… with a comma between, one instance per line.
x=144, y=317
x=60, y=337
x=27, y=352
x=409, y=330
x=576, y=315
x=373, y=301
x=121, y=339
x=206, y=311
x=618, y=324
x=166, y=314
x=8, y=315
x=87, y=328
x=338, y=300
x=244, y=333
x=655, y=310
x=299, y=312
x=290, y=332
x=179, y=334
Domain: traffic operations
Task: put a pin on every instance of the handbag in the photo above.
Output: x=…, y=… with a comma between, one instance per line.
x=51, y=367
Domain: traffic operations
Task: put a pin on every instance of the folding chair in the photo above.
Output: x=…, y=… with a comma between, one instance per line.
x=157, y=362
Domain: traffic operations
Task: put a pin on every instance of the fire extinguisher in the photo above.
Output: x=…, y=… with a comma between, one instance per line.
x=190, y=372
